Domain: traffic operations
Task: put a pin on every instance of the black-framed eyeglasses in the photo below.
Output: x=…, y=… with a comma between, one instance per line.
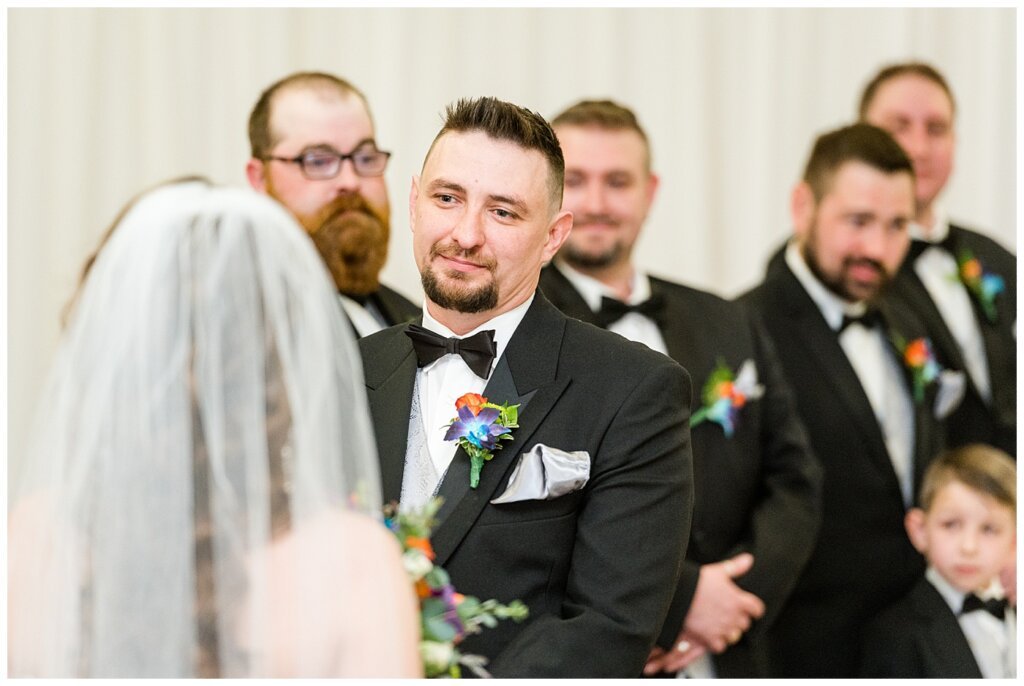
x=320, y=164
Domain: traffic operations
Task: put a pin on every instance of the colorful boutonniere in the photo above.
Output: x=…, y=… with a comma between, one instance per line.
x=446, y=617
x=478, y=428
x=984, y=286
x=917, y=355
x=724, y=395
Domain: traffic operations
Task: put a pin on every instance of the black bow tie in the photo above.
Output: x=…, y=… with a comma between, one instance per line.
x=869, y=320
x=613, y=310
x=994, y=606
x=478, y=350
x=918, y=246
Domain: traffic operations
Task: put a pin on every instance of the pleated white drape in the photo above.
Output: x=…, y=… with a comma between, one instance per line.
x=103, y=102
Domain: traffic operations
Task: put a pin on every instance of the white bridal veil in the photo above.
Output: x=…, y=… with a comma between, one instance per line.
x=207, y=399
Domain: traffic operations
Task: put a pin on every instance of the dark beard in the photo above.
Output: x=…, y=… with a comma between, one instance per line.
x=838, y=285
x=352, y=239
x=450, y=297
x=584, y=260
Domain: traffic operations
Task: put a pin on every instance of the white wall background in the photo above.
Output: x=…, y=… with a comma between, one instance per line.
x=104, y=102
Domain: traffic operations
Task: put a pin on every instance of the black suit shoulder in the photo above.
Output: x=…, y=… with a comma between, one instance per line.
x=395, y=307
x=918, y=636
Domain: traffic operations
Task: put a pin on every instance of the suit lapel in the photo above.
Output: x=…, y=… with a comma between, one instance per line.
x=563, y=295
x=390, y=371
x=526, y=373
x=822, y=343
x=943, y=640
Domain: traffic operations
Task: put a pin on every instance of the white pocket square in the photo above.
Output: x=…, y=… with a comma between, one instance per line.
x=545, y=473
x=952, y=385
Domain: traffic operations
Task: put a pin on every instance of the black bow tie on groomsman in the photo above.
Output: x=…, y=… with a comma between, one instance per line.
x=613, y=310
x=869, y=320
x=994, y=606
x=478, y=350
x=918, y=246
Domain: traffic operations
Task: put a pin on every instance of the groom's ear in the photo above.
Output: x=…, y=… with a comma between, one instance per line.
x=414, y=194
x=558, y=231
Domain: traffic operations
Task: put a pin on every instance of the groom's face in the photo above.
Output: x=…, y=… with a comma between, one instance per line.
x=483, y=222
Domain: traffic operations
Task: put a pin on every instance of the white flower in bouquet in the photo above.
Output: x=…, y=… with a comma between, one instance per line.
x=417, y=564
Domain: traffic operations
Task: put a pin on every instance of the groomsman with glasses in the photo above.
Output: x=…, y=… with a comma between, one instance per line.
x=756, y=484
x=314, y=150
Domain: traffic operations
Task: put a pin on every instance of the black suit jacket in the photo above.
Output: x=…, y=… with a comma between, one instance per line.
x=597, y=566
x=975, y=421
x=395, y=307
x=918, y=637
x=758, y=491
x=863, y=559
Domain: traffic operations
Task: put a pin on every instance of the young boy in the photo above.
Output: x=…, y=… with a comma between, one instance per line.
x=955, y=621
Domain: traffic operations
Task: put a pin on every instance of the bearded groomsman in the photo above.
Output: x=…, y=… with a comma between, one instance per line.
x=314, y=150
x=961, y=283
x=867, y=388
x=584, y=511
x=756, y=484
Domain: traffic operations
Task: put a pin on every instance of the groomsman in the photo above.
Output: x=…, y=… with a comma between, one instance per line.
x=864, y=380
x=583, y=512
x=315, y=152
x=962, y=283
x=757, y=487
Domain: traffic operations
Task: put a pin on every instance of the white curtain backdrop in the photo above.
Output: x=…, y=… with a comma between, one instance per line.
x=104, y=102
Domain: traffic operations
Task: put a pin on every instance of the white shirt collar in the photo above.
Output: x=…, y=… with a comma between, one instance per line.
x=832, y=307
x=954, y=597
x=504, y=325
x=940, y=229
x=593, y=290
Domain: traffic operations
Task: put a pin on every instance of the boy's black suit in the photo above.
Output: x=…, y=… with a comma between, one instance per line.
x=918, y=637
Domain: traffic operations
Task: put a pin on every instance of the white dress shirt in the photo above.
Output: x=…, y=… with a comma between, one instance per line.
x=365, y=318
x=877, y=367
x=992, y=640
x=634, y=326
x=443, y=381
x=939, y=273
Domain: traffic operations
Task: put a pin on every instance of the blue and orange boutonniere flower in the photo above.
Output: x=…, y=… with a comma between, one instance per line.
x=983, y=285
x=725, y=394
x=478, y=428
x=919, y=358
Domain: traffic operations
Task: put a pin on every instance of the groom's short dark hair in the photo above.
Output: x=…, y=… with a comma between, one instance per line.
x=508, y=122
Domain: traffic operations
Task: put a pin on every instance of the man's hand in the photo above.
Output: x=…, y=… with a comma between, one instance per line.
x=686, y=650
x=721, y=611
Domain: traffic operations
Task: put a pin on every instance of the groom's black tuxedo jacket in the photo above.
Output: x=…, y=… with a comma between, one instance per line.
x=758, y=491
x=863, y=559
x=597, y=567
x=974, y=421
x=918, y=637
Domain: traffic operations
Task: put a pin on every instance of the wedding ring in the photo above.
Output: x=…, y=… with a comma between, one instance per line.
x=683, y=646
x=734, y=637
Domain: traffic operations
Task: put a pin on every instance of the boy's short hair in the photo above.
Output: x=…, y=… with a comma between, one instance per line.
x=980, y=467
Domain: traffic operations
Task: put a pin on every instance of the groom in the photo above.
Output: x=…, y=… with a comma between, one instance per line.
x=584, y=514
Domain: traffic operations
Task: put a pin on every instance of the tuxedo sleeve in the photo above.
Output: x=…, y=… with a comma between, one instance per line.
x=786, y=518
x=631, y=536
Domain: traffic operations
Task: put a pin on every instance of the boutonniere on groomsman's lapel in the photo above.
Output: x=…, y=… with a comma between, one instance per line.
x=983, y=285
x=917, y=355
x=725, y=394
x=478, y=428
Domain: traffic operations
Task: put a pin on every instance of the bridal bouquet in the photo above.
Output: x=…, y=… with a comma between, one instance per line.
x=445, y=615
